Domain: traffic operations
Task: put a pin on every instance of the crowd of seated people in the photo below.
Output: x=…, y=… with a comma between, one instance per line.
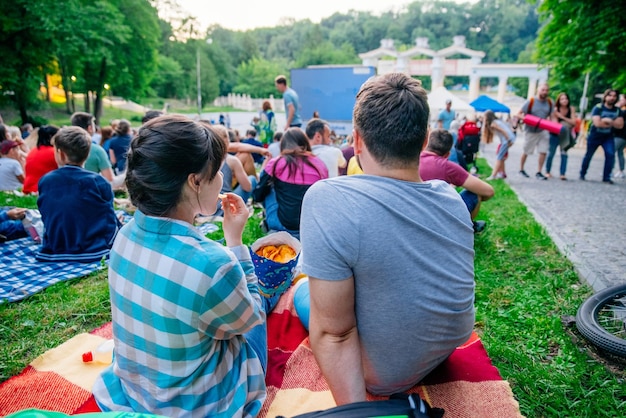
x=215, y=337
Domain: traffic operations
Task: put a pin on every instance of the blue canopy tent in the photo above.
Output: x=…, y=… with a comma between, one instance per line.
x=482, y=103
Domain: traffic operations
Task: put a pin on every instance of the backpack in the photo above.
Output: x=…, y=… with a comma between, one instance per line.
x=532, y=101
x=398, y=405
x=468, y=141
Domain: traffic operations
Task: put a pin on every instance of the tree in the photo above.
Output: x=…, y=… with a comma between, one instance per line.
x=257, y=77
x=580, y=37
x=325, y=53
x=26, y=53
x=169, y=82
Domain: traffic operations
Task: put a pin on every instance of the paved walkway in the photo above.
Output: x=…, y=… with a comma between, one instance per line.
x=586, y=219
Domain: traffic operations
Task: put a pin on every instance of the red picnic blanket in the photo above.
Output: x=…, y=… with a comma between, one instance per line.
x=465, y=385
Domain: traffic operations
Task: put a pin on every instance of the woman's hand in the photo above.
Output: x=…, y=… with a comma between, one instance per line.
x=235, y=218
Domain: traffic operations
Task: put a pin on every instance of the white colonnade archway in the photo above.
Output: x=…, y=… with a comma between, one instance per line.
x=437, y=65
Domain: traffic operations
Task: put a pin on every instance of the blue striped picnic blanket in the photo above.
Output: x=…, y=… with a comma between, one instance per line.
x=21, y=275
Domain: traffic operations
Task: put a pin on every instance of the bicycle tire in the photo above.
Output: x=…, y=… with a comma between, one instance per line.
x=590, y=318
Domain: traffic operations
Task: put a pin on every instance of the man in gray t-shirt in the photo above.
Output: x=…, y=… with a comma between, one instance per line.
x=390, y=258
x=540, y=106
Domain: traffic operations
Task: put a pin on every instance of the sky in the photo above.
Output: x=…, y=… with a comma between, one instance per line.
x=249, y=14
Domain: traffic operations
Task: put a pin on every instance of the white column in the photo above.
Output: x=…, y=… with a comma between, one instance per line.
x=402, y=65
x=474, y=86
x=502, y=82
x=437, y=72
x=532, y=87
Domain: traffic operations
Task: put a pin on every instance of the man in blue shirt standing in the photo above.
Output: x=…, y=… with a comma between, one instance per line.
x=605, y=117
x=446, y=116
x=292, y=102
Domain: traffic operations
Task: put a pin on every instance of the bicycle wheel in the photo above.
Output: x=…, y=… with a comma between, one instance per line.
x=601, y=319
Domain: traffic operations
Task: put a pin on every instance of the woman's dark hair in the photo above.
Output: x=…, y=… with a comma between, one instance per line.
x=294, y=149
x=569, y=103
x=45, y=135
x=161, y=157
x=3, y=132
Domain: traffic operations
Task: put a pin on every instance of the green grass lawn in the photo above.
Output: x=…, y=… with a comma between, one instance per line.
x=525, y=289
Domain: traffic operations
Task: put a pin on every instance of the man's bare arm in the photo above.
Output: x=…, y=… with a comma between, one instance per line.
x=481, y=188
x=291, y=110
x=243, y=147
x=107, y=173
x=335, y=340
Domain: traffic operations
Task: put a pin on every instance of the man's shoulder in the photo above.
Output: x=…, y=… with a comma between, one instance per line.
x=97, y=150
x=9, y=162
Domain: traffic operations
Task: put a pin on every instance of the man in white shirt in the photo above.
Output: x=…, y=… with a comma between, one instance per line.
x=318, y=132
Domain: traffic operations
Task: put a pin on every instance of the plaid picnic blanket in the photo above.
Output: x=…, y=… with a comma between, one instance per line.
x=21, y=275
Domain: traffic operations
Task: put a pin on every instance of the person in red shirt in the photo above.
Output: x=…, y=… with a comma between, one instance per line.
x=40, y=160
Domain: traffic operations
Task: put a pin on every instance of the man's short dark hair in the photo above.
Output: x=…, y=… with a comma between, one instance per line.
x=440, y=142
x=151, y=114
x=391, y=116
x=82, y=119
x=281, y=79
x=314, y=126
x=75, y=142
x=251, y=133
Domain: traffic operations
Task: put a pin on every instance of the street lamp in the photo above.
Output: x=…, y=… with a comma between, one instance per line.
x=209, y=41
x=107, y=94
x=583, y=99
x=72, y=105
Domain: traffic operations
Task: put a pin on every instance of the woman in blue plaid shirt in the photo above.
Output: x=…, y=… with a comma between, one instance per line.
x=188, y=319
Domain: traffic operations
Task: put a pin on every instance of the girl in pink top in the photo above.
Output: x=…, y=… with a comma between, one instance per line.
x=291, y=174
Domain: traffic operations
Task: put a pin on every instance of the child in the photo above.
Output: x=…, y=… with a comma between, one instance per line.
x=507, y=138
x=76, y=205
x=188, y=317
x=11, y=226
x=11, y=165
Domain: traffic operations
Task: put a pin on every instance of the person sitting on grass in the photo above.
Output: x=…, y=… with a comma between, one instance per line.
x=285, y=179
x=76, y=205
x=40, y=159
x=434, y=165
x=11, y=226
x=11, y=168
x=233, y=173
x=188, y=317
x=390, y=258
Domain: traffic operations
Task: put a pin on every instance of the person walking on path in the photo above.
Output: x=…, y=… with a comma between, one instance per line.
x=605, y=117
x=620, y=139
x=292, y=102
x=492, y=125
x=565, y=115
x=540, y=106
